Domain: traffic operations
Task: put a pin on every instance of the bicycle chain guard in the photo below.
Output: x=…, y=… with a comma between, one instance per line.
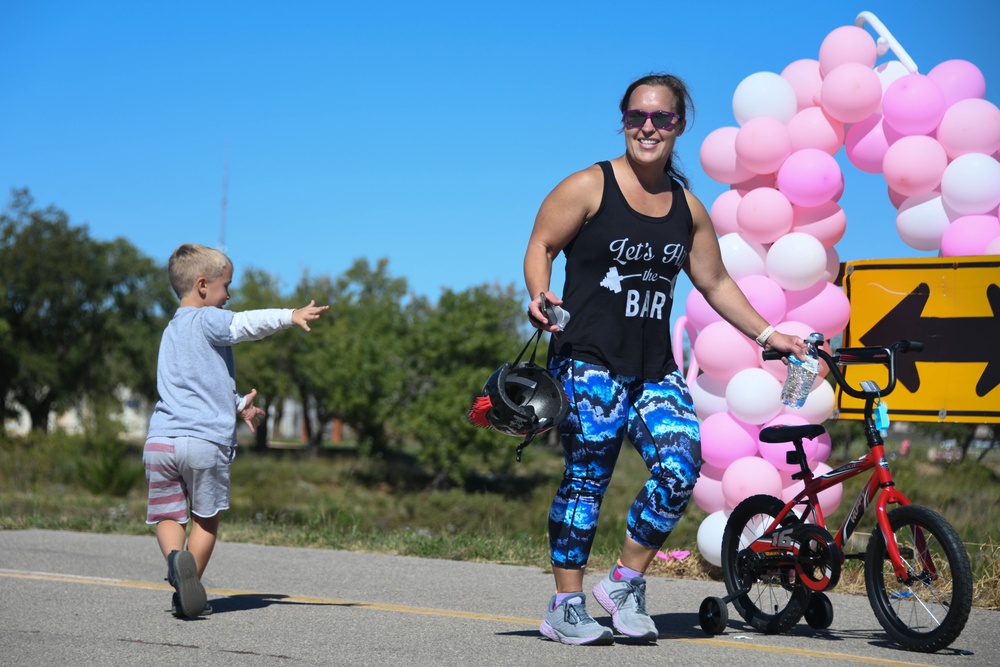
x=818, y=558
x=803, y=554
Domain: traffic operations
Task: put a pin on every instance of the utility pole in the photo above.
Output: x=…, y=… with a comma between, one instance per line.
x=225, y=199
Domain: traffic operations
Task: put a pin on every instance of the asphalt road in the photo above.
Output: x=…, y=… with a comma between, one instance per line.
x=74, y=599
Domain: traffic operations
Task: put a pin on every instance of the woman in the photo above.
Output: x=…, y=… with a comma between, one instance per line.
x=627, y=228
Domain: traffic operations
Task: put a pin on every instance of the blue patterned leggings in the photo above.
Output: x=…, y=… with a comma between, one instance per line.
x=661, y=424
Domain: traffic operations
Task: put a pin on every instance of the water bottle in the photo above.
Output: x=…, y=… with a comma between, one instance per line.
x=801, y=374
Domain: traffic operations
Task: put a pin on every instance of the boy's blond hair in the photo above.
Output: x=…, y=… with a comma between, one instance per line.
x=190, y=261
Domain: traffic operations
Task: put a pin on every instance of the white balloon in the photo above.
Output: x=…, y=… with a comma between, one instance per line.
x=970, y=185
x=764, y=94
x=796, y=261
x=741, y=256
x=819, y=405
x=922, y=221
x=709, y=395
x=710, y=537
x=754, y=396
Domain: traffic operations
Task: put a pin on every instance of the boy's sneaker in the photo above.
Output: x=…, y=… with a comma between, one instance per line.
x=626, y=602
x=175, y=608
x=569, y=623
x=182, y=574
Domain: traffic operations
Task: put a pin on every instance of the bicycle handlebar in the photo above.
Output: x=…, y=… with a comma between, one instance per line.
x=846, y=356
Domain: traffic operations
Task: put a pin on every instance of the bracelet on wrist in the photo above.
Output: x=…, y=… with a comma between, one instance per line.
x=764, y=335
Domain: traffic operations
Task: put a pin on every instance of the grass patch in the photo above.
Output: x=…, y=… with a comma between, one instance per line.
x=340, y=501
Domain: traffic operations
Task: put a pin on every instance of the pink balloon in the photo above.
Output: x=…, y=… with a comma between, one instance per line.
x=823, y=447
x=723, y=212
x=970, y=126
x=913, y=104
x=722, y=351
x=834, y=270
x=749, y=476
x=715, y=472
x=699, y=312
x=718, y=157
x=888, y=73
x=895, y=198
x=776, y=453
x=866, y=144
x=805, y=79
x=764, y=215
x=708, y=496
x=829, y=500
x=809, y=177
x=847, y=44
x=766, y=296
x=914, y=165
x=813, y=128
x=826, y=222
x=762, y=144
x=824, y=306
x=851, y=92
x=724, y=439
x=969, y=235
x=958, y=80
x=754, y=182
x=993, y=247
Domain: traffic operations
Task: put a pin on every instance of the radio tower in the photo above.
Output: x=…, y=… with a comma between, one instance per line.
x=225, y=199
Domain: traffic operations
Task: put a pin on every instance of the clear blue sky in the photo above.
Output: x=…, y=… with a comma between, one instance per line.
x=425, y=132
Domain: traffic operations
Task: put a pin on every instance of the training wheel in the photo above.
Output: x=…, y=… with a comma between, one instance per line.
x=819, y=611
x=713, y=616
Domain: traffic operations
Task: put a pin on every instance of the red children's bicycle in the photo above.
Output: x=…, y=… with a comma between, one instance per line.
x=778, y=558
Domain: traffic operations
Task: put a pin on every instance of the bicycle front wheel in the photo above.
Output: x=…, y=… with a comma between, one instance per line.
x=775, y=600
x=928, y=611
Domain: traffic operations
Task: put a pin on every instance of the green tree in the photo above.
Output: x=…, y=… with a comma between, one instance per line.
x=962, y=434
x=352, y=366
x=79, y=316
x=453, y=349
x=263, y=365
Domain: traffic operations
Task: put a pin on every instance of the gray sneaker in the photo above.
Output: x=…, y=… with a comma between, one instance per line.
x=175, y=608
x=626, y=602
x=569, y=623
x=182, y=574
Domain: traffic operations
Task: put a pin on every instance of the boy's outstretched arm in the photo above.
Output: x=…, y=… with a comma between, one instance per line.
x=302, y=316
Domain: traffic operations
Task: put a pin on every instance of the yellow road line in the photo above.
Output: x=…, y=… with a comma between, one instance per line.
x=448, y=613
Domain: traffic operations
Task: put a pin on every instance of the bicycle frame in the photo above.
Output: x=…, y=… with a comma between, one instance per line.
x=880, y=487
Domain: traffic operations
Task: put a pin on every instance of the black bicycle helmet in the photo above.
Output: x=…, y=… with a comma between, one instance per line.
x=524, y=399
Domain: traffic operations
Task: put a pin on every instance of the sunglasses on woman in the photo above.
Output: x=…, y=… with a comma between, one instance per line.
x=662, y=120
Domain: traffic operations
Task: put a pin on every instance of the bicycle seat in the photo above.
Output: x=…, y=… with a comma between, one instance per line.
x=790, y=433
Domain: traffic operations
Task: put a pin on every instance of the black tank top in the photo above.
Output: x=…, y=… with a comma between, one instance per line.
x=620, y=274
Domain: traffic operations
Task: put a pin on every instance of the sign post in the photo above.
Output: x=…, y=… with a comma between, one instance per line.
x=952, y=306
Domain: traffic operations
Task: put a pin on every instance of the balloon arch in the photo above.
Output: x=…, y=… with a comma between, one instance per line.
x=933, y=137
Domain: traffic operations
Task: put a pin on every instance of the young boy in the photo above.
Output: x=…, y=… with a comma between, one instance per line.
x=192, y=433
